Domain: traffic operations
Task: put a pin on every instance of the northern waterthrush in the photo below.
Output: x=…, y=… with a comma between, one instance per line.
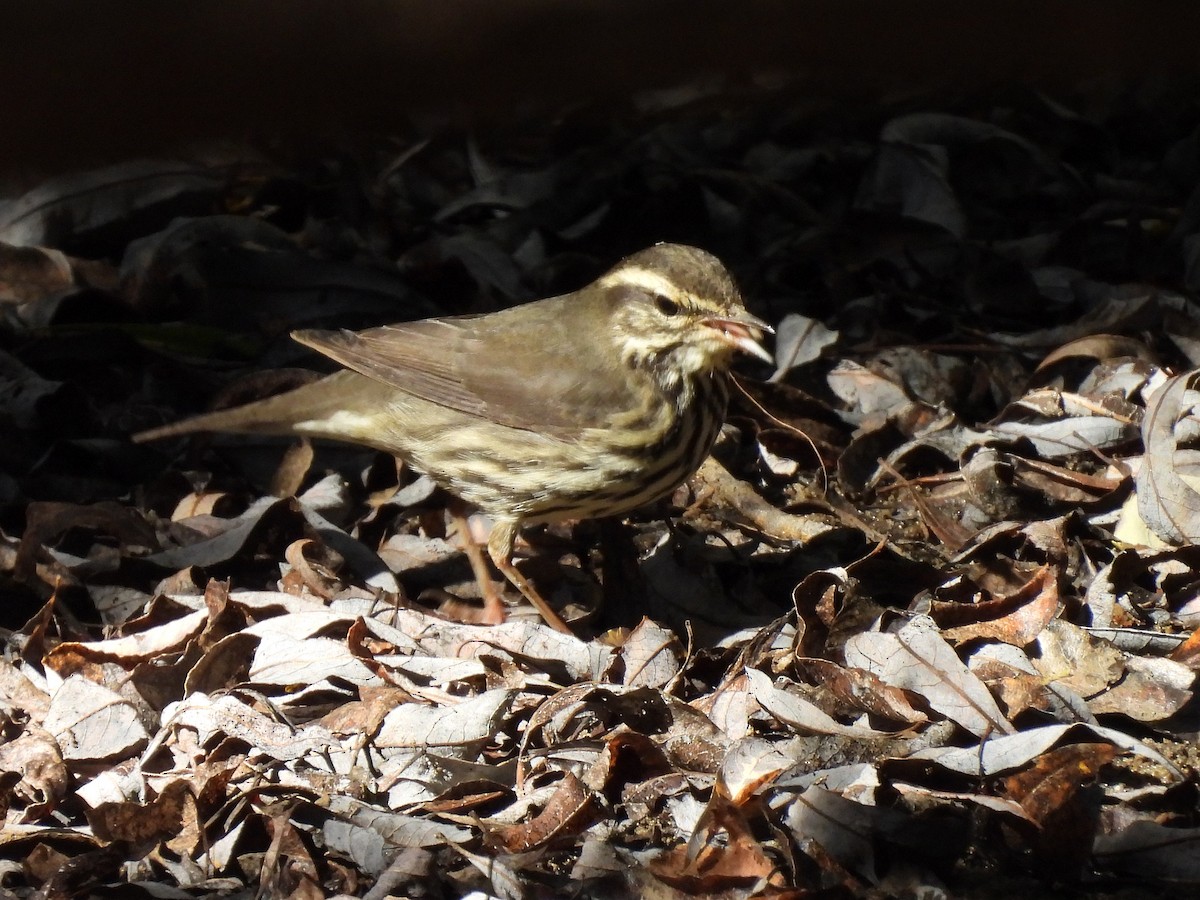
x=589, y=404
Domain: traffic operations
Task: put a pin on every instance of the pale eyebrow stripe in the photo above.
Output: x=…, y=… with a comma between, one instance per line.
x=644, y=278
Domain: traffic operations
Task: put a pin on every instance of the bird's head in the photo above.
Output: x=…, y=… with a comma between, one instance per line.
x=677, y=309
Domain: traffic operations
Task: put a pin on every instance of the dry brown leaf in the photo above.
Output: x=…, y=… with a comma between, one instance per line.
x=213, y=719
x=160, y=817
x=844, y=832
x=630, y=760
x=1013, y=751
x=39, y=778
x=918, y=659
x=735, y=498
x=33, y=273
x=1166, y=501
x=18, y=693
x=1151, y=690
x=1055, y=779
x=93, y=723
x=70, y=657
x=459, y=730
x=317, y=576
x=1036, y=605
x=859, y=689
x=789, y=707
x=198, y=503
x=1099, y=347
x=288, y=867
x=570, y=810
x=650, y=655
x=1188, y=652
x=1053, y=794
x=1085, y=664
x=709, y=866
x=293, y=469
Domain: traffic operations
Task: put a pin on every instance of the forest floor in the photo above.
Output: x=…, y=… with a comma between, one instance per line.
x=924, y=625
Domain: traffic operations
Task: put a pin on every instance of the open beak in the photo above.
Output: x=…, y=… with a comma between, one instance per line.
x=744, y=332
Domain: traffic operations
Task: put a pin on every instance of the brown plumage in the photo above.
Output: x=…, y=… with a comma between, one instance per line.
x=589, y=404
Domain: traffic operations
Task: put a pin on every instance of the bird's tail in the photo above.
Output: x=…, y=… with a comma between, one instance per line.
x=318, y=409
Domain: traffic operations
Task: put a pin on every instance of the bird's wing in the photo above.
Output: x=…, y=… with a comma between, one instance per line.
x=539, y=367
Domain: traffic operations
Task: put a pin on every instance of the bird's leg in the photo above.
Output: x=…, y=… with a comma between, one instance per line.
x=500, y=549
x=493, y=605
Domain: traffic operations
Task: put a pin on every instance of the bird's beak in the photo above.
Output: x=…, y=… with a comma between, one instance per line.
x=743, y=332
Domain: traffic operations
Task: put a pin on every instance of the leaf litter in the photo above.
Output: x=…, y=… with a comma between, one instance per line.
x=925, y=623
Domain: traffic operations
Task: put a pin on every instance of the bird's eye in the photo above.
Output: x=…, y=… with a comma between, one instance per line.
x=665, y=305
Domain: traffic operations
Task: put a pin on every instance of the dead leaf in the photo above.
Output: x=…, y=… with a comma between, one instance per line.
x=92, y=723
x=917, y=659
x=570, y=810
x=1166, y=501
x=1036, y=605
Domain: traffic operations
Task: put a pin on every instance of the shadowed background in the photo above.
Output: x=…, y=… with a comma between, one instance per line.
x=87, y=84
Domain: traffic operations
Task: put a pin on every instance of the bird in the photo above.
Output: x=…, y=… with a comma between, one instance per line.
x=593, y=403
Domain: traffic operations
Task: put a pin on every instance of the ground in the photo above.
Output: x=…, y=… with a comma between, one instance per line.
x=924, y=625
